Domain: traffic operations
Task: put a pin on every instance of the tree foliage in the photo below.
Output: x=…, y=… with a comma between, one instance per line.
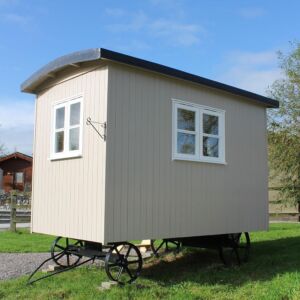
x=284, y=127
x=2, y=150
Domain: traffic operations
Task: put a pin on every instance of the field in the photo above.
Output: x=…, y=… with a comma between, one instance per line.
x=24, y=242
x=271, y=273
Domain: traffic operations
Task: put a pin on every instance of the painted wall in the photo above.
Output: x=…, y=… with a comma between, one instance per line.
x=149, y=195
x=68, y=194
x=129, y=187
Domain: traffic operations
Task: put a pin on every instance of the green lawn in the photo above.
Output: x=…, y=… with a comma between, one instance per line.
x=273, y=272
x=23, y=241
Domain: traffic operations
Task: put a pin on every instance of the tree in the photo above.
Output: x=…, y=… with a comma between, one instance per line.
x=2, y=150
x=284, y=127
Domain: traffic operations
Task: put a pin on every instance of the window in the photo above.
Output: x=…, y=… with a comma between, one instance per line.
x=198, y=133
x=19, y=177
x=67, y=129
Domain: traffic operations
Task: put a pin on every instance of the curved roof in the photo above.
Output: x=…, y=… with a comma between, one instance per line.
x=73, y=59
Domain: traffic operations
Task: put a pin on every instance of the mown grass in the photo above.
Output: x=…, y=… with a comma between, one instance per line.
x=272, y=273
x=23, y=241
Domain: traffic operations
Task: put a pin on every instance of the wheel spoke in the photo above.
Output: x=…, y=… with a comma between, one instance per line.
x=120, y=272
x=128, y=251
x=64, y=246
x=60, y=255
x=113, y=265
x=129, y=273
x=159, y=246
x=60, y=247
x=117, y=265
x=116, y=249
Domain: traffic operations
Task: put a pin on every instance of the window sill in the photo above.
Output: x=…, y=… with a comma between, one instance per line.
x=65, y=156
x=211, y=161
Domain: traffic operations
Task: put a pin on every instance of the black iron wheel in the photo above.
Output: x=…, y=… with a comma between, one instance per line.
x=62, y=251
x=123, y=263
x=160, y=247
x=236, y=249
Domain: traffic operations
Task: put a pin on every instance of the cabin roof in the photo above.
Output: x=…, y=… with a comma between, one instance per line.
x=16, y=155
x=75, y=59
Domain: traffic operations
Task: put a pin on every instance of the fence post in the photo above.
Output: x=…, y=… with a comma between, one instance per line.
x=13, y=211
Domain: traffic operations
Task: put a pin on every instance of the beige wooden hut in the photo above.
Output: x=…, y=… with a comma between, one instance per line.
x=127, y=149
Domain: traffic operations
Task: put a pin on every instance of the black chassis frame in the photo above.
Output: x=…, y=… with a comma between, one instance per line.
x=216, y=242
x=93, y=250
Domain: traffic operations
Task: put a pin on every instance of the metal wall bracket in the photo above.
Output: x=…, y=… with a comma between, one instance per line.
x=103, y=125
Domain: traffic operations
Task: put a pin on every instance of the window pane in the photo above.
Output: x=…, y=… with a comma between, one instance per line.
x=210, y=146
x=75, y=114
x=60, y=118
x=186, y=119
x=210, y=124
x=59, y=141
x=185, y=143
x=74, y=139
x=19, y=177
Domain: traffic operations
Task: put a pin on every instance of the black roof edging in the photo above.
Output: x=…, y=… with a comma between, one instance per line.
x=141, y=63
x=101, y=53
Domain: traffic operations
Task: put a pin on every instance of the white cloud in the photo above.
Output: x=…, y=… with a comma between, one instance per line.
x=115, y=12
x=131, y=44
x=251, y=12
x=14, y=18
x=176, y=33
x=251, y=71
x=173, y=8
x=136, y=21
x=16, y=124
x=257, y=58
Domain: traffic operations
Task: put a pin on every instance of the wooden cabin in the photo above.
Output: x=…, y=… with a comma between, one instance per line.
x=16, y=171
x=127, y=149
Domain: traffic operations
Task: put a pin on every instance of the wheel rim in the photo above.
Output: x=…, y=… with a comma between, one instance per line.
x=238, y=250
x=60, y=252
x=244, y=247
x=123, y=263
x=160, y=247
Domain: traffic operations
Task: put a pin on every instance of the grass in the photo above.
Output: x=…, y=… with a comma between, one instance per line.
x=273, y=272
x=23, y=241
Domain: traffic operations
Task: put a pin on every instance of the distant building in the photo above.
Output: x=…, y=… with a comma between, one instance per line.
x=16, y=170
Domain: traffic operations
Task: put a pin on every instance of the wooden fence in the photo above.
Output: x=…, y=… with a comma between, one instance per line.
x=15, y=208
x=279, y=211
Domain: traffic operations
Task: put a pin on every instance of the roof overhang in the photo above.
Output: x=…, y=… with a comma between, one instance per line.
x=16, y=155
x=74, y=59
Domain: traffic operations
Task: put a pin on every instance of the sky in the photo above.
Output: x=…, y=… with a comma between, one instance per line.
x=235, y=42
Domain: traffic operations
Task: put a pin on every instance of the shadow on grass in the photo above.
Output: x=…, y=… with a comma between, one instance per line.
x=268, y=259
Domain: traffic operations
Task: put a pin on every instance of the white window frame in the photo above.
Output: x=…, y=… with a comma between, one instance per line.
x=200, y=110
x=176, y=130
x=66, y=153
